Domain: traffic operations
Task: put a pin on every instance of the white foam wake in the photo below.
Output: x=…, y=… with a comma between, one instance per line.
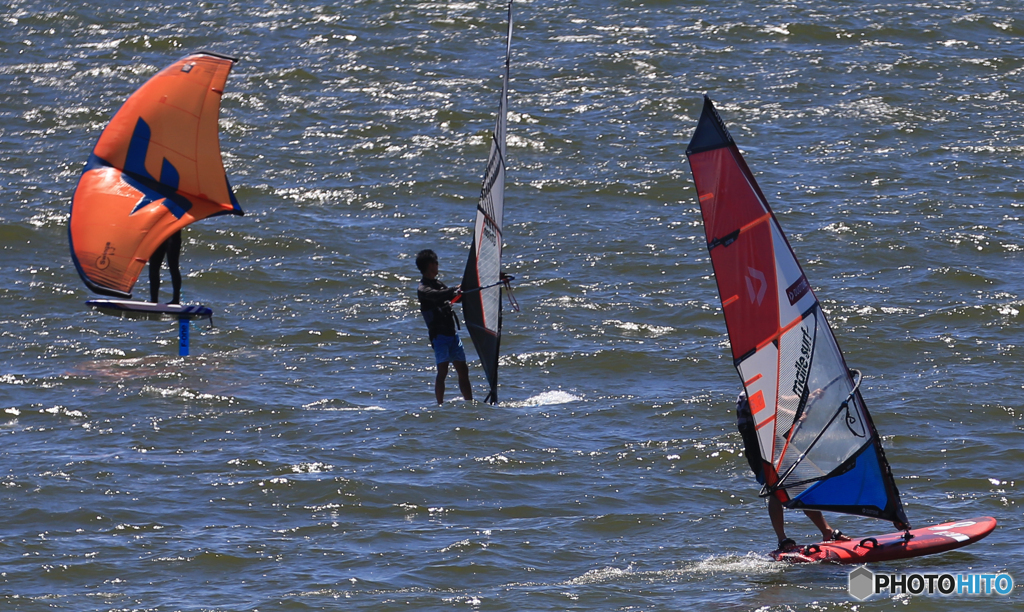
x=549, y=398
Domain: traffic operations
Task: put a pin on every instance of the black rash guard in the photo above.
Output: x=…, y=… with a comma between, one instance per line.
x=435, y=305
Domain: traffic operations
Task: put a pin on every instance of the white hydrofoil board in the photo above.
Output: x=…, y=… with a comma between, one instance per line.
x=151, y=311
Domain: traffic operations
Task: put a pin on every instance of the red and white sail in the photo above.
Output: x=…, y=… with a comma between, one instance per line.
x=818, y=444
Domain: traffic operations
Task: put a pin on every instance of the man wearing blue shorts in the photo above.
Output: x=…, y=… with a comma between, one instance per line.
x=436, y=306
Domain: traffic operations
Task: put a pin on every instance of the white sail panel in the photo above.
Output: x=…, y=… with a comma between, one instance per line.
x=760, y=375
x=487, y=237
x=793, y=291
x=796, y=351
x=827, y=433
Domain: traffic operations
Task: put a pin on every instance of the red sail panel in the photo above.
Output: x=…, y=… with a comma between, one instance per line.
x=747, y=286
x=721, y=177
x=156, y=168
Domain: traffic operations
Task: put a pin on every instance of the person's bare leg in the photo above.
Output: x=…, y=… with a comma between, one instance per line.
x=464, y=385
x=775, y=513
x=819, y=521
x=442, y=373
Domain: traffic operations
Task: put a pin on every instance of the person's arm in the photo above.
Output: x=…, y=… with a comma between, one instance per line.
x=429, y=294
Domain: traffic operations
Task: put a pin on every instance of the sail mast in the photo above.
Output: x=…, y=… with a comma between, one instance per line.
x=818, y=444
x=481, y=304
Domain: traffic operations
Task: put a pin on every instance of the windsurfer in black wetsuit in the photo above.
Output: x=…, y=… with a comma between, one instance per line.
x=172, y=249
x=436, y=307
x=752, y=449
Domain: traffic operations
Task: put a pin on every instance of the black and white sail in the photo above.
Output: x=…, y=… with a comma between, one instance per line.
x=481, y=302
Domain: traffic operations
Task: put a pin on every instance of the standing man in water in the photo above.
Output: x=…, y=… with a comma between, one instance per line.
x=172, y=248
x=435, y=304
x=752, y=449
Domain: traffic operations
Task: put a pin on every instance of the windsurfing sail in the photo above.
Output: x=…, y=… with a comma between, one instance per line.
x=818, y=444
x=481, y=282
x=156, y=168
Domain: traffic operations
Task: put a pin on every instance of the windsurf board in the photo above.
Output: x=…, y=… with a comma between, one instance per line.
x=891, y=546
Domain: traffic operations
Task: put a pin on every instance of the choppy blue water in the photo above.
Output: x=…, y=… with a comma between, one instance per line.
x=296, y=461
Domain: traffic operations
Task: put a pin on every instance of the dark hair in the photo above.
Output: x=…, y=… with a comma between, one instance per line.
x=424, y=257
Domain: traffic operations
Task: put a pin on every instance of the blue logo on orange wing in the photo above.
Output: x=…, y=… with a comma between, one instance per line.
x=136, y=175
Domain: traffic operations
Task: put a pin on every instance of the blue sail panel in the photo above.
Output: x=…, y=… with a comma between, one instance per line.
x=861, y=486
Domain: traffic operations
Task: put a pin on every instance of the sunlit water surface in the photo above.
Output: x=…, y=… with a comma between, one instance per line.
x=296, y=460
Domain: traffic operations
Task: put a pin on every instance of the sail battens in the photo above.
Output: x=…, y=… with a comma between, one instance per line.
x=755, y=222
x=812, y=425
x=789, y=326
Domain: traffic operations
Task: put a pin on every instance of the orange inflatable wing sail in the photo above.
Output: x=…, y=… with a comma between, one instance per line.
x=156, y=168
